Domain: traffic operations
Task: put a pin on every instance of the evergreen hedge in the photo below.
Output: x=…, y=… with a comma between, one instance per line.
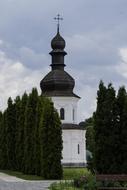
x=31, y=136
x=110, y=126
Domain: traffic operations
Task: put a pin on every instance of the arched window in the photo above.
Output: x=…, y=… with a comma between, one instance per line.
x=62, y=114
x=78, y=149
x=73, y=114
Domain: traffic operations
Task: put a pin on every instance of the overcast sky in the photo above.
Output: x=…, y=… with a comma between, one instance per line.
x=96, y=42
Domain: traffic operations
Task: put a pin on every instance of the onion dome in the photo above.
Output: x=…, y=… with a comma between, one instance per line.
x=57, y=82
x=58, y=42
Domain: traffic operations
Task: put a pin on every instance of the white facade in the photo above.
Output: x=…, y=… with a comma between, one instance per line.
x=70, y=107
x=74, y=149
x=74, y=142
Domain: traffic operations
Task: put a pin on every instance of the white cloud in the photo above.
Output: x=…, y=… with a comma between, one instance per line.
x=80, y=43
x=98, y=41
x=87, y=91
x=32, y=58
x=121, y=67
x=15, y=78
x=1, y=42
x=123, y=53
x=87, y=104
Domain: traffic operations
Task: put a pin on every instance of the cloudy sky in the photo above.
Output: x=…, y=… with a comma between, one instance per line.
x=96, y=42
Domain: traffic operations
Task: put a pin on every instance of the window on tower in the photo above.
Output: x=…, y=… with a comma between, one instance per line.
x=78, y=149
x=73, y=114
x=62, y=114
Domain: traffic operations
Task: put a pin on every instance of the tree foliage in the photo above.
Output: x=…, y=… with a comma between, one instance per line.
x=110, y=129
x=25, y=125
x=51, y=143
x=10, y=135
x=29, y=131
x=89, y=127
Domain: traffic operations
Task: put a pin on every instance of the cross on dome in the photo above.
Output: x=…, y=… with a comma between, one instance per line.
x=58, y=18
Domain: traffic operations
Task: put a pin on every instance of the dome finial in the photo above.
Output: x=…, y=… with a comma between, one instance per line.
x=58, y=18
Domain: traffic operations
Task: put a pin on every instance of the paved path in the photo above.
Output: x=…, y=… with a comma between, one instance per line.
x=13, y=183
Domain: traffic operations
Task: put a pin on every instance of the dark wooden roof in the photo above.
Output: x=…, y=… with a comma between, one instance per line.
x=58, y=82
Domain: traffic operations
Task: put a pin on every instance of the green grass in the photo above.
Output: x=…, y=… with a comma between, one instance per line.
x=71, y=173
x=68, y=174
x=88, y=183
x=63, y=186
x=21, y=175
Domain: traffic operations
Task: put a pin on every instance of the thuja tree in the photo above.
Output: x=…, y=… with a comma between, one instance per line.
x=104, y=129
x=122, y=131
x=51, y=134
x=17, y=129
x=29, y=133
x=90, y=141
x=111, y=130
x=38, y=135
x=2, y=136
x=31, y=137
x=20, y=138
x=3, y=143
x=98, y=126
x=10, y=135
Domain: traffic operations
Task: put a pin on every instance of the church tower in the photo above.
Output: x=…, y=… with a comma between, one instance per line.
x=59, y=85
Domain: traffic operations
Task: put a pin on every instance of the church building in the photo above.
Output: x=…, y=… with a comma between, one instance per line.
x=58, y=85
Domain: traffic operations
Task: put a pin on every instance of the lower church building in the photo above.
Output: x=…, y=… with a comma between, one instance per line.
x=58, y=85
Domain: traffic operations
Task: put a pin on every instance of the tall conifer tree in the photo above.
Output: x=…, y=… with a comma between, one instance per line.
x=121, y=153
x=17, y=130
x=3, y=142
x=10, y=134
x=98, y=126
x=20, y=141
x=30, y=126
x=2, y=135
x=51, y=133
x=109, y=130
x=104, y=129
x=38, y=138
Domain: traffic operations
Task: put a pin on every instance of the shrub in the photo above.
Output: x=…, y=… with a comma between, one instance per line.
x=88, y=183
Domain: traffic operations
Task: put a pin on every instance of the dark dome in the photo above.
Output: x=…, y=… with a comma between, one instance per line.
x=57, y=83
x=58, y=42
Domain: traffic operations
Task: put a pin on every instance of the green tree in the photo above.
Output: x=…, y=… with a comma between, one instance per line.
x=90, y=140
x=1, y=141
x=109, y=131
x=51, y=133
x=10, y=134
x=20, y=139
x=17, y=129
x=29, y=133
x=38, y=138
x=104, y=129
x=121, y=141
x=3, y=147
x=98, y=127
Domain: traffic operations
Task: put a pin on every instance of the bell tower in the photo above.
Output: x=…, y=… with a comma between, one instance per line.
x=59, y=85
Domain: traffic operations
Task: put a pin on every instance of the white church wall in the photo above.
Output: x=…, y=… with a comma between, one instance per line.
x=70, y=106
x=71, y=140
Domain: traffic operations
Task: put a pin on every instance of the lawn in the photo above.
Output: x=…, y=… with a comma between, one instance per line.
x=71, y=173
x=63, y=186
x=68, y=174
x=21, y=175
